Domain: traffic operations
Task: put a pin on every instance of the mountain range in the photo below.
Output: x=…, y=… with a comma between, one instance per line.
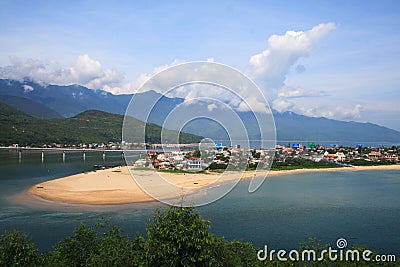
x=54, y=101
x=92, y=126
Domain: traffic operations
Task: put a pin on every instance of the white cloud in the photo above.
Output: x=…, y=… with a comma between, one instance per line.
x=85, y=71
x=329, y=110
x=215, y=81
x=270, y=67
x=211, y=107
x=282, y=105
x=346, y=113
x=27, y=88
x=299, y=92
x=331, y=107
x=132, y=87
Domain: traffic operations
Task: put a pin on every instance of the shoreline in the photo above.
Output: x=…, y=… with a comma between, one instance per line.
x=393, y=167
x=115, y=186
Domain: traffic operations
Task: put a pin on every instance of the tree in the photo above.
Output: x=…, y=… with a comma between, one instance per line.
x=16, y=249
x=246, y=253
x=76, y=250
x=116, y=249
x=196, y=154
x=255, y=154
x=178, y=237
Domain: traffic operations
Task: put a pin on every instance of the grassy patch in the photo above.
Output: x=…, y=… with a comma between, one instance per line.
x=181, y=171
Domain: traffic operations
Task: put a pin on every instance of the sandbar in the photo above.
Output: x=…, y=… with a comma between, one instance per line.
x=116, y=185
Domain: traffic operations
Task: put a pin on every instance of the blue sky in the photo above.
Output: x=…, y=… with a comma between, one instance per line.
x=338, y=59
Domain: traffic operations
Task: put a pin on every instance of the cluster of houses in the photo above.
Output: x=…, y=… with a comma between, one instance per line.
x=219, y=157
x=176, y=159
x=337, y=154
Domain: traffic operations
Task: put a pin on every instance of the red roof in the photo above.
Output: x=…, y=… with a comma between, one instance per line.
x=193, y=158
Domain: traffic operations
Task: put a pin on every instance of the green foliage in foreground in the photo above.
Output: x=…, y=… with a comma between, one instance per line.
x=175, y=237
x=17, y=250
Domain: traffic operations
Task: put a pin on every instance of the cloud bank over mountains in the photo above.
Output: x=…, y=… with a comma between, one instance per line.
x=268, y=68
x=85, y=71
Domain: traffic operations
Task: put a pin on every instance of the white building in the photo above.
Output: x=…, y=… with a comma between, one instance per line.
x=193, y=163
x=340, y=156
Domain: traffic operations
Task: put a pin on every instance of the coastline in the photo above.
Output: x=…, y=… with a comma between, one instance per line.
x=116, y=186
x=355, y=168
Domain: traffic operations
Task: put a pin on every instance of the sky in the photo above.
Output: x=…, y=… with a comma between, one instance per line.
x=336, y=59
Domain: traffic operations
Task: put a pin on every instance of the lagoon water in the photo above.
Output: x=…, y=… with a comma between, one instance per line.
x=362, y=207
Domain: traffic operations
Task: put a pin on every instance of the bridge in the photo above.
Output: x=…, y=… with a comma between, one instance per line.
x=64, y=151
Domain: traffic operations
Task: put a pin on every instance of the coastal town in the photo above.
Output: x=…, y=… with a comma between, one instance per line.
x=187, y=157
x=222, y=156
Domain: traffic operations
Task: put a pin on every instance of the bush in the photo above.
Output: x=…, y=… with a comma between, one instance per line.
x=17, y=250
x=178, y=237
x=116, y=249
x=75, y=251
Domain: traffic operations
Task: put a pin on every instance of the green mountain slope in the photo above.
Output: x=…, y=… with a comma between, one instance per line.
x=30, y=107
x=88, y=127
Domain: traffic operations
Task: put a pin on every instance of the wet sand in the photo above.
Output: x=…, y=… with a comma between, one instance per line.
x=116, y=185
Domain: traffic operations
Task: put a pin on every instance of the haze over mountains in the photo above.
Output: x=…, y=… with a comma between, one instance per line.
x=53, y=101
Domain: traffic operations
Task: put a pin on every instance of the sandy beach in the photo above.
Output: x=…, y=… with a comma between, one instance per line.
x=116, y=185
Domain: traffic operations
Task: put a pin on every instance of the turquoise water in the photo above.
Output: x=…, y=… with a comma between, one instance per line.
x=362, y=206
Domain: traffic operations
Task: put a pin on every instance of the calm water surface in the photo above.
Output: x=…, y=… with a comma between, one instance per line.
x=363, y=206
